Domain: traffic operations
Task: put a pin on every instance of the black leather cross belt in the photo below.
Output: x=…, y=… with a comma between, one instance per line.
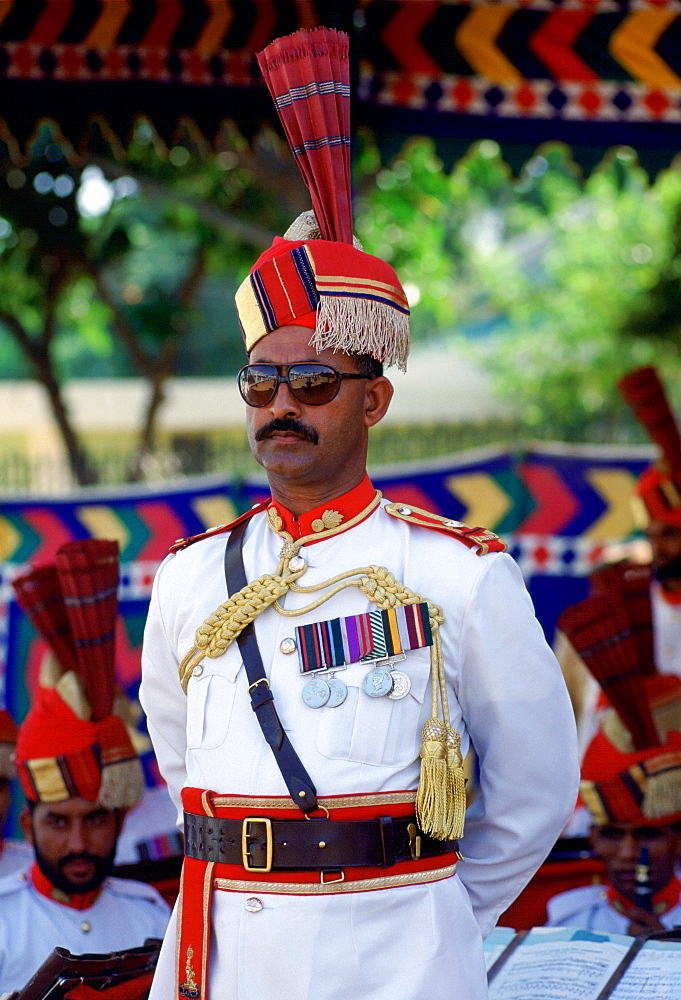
x=261, y=844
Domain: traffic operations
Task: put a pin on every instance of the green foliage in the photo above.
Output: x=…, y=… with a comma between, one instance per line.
x=573, y=281
x=555, y=283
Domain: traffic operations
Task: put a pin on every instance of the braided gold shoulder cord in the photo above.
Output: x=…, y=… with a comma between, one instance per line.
x=441, y=798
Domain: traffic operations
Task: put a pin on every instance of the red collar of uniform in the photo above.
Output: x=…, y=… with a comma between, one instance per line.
x=333, y=514
x=75, y=900
x=663, y=900
x=672, y=597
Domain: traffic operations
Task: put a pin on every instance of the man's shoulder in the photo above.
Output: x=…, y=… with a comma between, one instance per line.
x=14, y=883
x=565, y=906
x=131, y=889
x=479, y=540
x=220, y=529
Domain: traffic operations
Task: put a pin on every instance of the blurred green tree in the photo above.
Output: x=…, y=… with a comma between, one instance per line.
x=105, y=265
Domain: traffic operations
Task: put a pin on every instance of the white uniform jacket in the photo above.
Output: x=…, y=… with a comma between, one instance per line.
x=588, y=908
x=16, y=855
x=506, y=697
x=124, y=915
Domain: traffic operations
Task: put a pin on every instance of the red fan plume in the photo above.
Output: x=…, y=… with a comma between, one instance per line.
x=39, y=594
x=88, y=576
x=308, y=76
x=644, y=392
x=631, y=583
x=598, y=629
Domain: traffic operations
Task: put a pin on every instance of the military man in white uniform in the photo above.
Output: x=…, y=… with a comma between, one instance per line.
x=373, y=620
x=80, y=774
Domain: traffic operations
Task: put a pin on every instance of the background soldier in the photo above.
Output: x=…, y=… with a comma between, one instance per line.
x=80, y=773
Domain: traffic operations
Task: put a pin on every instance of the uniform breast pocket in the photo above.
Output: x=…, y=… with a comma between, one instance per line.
x=381, y=731
x=210, y=698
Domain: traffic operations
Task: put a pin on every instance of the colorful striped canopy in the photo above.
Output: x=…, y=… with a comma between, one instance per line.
x=594, y=74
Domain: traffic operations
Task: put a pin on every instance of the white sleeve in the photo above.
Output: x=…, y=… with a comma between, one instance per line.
x=162, y=698
x=521, y=724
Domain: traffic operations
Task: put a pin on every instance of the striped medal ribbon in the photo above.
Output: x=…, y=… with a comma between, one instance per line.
x=376, y=635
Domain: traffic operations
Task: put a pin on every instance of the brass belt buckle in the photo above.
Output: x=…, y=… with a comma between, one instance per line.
x=414, y=842
x=245, y=839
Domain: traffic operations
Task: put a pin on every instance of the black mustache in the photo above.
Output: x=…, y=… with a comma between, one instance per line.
x=91, y=858
x=287, y=424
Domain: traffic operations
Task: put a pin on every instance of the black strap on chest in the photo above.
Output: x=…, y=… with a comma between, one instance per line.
x=298, y=781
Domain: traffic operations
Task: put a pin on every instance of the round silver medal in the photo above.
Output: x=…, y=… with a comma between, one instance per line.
x=378, y=683
x=401, y=685
x=339, y=692
x=316, y=693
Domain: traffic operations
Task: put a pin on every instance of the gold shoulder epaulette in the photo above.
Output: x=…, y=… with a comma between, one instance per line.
x=480, y=539
x=182, y=543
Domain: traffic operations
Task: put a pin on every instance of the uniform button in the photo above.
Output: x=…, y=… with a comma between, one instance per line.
x=404, y=510
x=288, y=645
x=253, y=904
x=198, y=669
x=297, y=563
x=452, y=524
x=86, y=927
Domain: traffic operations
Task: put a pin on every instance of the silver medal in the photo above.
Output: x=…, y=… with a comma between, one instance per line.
x=339, y=692
x=401, y=685
x=316, y=693
x=378, y=682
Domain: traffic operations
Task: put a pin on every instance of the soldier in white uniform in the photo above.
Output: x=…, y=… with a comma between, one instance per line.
x=14, y=854
x=373, y=620
x=80, y=774
x=36, y=917
x=633, y=794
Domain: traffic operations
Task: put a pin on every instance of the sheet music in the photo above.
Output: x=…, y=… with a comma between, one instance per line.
x=558, y=970
x=655, y=974
x=494, y=944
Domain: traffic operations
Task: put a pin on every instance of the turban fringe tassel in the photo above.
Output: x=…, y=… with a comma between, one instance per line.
x=663, y=794
x=362, y=326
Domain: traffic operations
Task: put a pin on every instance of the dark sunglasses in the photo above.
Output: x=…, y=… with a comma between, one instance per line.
x=311, y=383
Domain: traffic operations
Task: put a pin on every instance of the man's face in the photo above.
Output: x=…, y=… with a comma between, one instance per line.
x=304, y=446
x=74, y=842
x=619, y=845
x=665, y=542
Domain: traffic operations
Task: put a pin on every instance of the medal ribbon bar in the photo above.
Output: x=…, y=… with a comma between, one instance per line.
x=332, y=644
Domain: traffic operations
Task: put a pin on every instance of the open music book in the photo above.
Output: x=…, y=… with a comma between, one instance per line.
x=565, y=963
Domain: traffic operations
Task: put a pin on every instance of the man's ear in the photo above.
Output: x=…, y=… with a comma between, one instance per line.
x=379, y=392
x=26, y=825
x=120, y=820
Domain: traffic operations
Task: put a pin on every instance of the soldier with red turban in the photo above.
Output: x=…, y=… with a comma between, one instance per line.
x=80, y=774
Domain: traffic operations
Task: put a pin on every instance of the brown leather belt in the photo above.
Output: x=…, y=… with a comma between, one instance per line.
x=261, y=844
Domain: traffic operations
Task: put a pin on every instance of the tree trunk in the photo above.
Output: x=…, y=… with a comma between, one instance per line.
x=38, y=353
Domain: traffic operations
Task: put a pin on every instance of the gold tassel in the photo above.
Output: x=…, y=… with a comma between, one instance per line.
x=441, y=795
x=456, y=786
x=431, y=795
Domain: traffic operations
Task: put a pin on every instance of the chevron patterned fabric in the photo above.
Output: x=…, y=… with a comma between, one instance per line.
x=593, y=73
